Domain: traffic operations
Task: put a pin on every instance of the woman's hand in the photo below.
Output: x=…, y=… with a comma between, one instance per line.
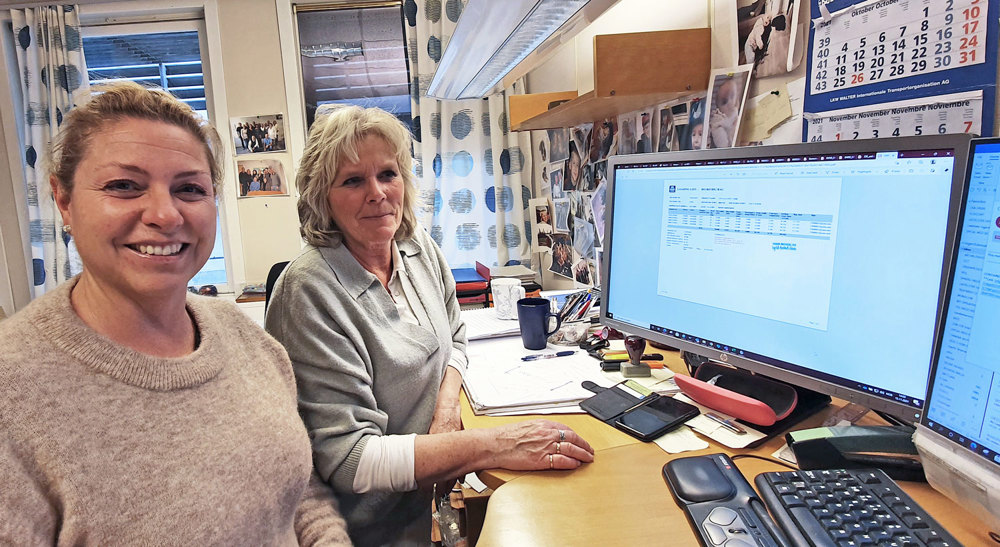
x=540, y=444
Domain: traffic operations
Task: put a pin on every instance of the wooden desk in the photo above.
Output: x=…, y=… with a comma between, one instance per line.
x=622, y=499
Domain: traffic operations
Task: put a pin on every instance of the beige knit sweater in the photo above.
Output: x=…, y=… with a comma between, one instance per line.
x=102, y=445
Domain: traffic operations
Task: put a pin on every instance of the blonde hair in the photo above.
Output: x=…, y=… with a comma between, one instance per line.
x=117, y=101
x=334, y=138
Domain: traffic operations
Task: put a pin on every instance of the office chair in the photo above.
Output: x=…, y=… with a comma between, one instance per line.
x=272, y=277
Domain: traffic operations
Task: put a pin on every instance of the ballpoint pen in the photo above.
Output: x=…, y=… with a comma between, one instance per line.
x=548, y=355
x=728, y=424
x=645, y=400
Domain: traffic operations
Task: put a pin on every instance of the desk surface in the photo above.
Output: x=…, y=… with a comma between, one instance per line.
x=621, y=498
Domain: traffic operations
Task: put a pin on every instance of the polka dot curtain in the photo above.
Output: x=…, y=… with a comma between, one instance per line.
x=472, y=171
x=53, y=79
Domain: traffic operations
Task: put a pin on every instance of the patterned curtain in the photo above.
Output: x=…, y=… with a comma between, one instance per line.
x=53, y=79
x=473, y=173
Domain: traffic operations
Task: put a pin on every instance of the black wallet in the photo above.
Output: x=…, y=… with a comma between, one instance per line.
x=634, y=410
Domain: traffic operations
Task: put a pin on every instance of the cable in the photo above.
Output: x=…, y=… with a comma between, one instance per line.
x=765, y=458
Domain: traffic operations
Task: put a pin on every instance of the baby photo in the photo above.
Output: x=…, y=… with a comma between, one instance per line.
x=726, y=96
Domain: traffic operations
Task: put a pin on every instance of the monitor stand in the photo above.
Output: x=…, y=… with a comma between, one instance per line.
x=809, y=402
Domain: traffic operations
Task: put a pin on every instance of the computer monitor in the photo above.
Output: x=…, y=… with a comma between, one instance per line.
x=818, y=264
x=960, y=445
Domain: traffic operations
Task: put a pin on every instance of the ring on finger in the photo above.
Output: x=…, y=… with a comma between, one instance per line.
x=550, y=461
x=562, y=435
x=558, y=448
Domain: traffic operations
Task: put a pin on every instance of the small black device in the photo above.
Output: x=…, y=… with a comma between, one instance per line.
x=655, y=418
x=719, y=502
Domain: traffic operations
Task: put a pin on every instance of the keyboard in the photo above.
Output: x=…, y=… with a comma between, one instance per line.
x=847, y=507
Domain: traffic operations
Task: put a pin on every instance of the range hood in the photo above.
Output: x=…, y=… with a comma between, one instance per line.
x=498, y=41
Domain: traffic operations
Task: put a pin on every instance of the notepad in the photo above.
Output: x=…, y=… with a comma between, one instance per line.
x=483, y=323
x=498, y=381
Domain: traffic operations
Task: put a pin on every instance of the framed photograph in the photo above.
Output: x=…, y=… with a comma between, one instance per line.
x=263, y=177
x=258, y=134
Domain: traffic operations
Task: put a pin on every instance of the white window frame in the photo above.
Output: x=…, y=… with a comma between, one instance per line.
x=128, y=12
x=207, y=11
x=89, y=29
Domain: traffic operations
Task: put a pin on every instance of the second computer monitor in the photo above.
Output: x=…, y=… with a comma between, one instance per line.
x=819, y=264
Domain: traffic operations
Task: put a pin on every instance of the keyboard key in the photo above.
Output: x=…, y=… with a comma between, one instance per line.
x=913, y=521
x=784, y=488
x=928, y=536
x=791, y=500
x=839, y=533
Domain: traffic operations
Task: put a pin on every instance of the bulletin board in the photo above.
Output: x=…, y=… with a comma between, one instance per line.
x=882, y=68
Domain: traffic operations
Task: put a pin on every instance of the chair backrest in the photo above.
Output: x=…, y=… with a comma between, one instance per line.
x=272, y=277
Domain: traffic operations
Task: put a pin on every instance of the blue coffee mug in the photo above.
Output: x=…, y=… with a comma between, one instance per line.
x=533, y=316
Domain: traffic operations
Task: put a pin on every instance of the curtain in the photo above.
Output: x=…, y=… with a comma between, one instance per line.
x=473, y=173
x=53, y=76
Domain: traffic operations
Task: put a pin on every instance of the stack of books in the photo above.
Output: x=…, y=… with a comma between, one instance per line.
x=471, y=288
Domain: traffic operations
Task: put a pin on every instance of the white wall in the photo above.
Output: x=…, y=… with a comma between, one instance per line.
x=252, y=63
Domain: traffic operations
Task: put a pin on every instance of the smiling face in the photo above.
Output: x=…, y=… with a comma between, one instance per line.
x=366, y=197
x=142, y=208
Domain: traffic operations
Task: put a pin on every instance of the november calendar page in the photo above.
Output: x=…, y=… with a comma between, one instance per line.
x=882, y=68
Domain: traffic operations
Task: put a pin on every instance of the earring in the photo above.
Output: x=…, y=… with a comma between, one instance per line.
x=67, y=228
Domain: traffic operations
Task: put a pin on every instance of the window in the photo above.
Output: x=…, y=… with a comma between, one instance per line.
x=167, y=55
x=353, y=55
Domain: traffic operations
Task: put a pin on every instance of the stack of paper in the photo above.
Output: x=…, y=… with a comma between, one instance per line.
x=498, y=382
x=483, y=323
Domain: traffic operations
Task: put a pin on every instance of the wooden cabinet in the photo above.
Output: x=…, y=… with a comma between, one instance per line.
x=631, y=71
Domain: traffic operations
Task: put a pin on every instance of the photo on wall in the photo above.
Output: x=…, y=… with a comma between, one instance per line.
x=558, y=144
x=264, y=177
x=766, y=32
x=561, y=215
x=562, y=256
x=541, y=224
x=257, y=134
x=727, y=91
x=644, y=131
x=603, y=139
x=626, y=133
x=666, y=137
x=694, y=131
x=574, y=168
x=556, y=173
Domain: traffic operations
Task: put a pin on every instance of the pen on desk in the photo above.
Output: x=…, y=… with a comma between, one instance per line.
x=728, y=424
x=645, y=400
x=538, y=356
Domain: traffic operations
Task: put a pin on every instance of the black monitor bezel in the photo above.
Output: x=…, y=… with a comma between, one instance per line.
x=954, y=437
x=957, y=142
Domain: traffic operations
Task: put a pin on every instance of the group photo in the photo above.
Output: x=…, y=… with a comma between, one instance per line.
x=255, y=134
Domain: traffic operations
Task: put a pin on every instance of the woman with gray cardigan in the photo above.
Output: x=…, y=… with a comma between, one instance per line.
x=369, y=316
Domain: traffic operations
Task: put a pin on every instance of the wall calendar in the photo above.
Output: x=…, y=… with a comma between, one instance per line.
x=890, y=52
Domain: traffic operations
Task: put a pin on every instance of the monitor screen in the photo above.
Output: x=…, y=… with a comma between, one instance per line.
x=819, y=264
x=964, y=396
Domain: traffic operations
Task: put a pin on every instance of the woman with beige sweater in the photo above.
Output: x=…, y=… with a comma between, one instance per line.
x=131, y=412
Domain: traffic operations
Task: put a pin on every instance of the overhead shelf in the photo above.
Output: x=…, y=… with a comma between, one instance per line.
x=631, y=71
